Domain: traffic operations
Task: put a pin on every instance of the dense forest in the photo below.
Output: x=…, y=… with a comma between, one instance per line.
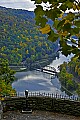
x=70, y=76
x=20, y=39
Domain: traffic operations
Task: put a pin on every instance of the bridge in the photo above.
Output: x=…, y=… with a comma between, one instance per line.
x=48, y=69
x=37, y=66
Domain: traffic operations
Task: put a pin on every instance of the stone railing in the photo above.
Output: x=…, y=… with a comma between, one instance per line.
x=42, y=101
x=38, y=94
x=39, y=102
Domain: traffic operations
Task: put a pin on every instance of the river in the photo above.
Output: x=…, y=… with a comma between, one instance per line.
x=36, y=81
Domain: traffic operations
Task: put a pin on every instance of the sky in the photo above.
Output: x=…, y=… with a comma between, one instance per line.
x=18, y=4
x=21, y=4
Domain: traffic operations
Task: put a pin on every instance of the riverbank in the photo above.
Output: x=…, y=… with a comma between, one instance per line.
x=36, y=64
x=37, y=115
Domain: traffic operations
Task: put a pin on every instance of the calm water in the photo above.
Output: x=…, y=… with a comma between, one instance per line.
x=36, y=81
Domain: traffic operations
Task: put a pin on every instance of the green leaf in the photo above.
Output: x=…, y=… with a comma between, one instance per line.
x=53, y=13
x=56, y=22
x=44, y=20
x=69, y=4
x=38, y=1
x=66, y=49
x=53, y=36
x=77, y=23
x=39, y=11
x=74, y=31
x=45, y=1
x=63, y=7
x=66, y=27
x=61, y=23
x=75, y=49
x=70, y=16
x=73, y=41
x=41, y=21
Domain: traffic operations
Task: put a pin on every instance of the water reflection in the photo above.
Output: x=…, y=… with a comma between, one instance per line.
x=36, y=81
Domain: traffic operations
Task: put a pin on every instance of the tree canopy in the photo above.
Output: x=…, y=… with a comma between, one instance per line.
x=20, y=40
x=65, y=26
x=6, y=78
x=69, y=76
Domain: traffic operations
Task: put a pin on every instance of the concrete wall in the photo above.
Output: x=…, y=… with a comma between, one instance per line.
x=43, y=103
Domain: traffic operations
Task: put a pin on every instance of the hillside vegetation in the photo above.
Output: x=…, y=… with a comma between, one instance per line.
x=20, y=39
x=6, y=78
x=70, y=76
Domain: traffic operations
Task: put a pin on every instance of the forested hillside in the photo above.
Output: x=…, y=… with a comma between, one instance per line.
x=70, y=75
x=20, y=39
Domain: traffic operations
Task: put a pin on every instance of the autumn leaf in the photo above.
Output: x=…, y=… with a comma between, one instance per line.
x=45, y=29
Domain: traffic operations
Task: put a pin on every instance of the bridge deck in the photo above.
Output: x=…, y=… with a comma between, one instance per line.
x=48, y=70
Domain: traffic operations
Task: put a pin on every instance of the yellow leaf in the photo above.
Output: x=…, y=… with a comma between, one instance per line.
x=63, y=33
x=46, y=29
x=74, y=7
x=66, y=21
x=1, y=98
x=27, y=51
x=79, y=71
x=78, y=35
x=61, y=15
x=78, y=7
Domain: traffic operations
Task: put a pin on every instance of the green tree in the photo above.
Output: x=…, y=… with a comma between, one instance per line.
x=6, y=77
x=78, y=90
x=64, y=26
x=69, y=75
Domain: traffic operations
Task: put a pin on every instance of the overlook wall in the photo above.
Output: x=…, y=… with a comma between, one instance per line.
x=43, y=103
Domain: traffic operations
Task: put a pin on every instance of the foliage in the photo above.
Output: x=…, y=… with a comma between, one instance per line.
x=78, y=90
x=65, y=26
x=6, y=77
x=70, y=75
x=20, y=40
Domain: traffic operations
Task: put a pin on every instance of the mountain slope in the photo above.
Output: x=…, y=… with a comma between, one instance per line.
x=20, y=39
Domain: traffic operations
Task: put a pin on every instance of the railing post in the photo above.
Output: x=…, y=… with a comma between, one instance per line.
x=44, y=93
x=38, y=93
x=59, y=96
x=56, y=95
x=35, y=94
x=31, y=93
